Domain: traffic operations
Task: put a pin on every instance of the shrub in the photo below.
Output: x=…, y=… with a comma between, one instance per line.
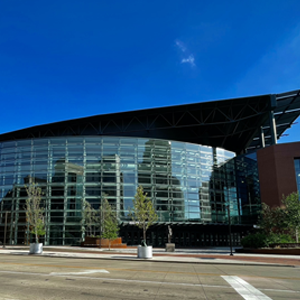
x=260, y=240
x=256, y=240
x=279, y=238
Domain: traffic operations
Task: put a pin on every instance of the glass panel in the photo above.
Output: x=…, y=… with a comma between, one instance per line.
x=186, y=182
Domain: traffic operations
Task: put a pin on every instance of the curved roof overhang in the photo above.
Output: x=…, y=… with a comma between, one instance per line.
x=233, y=124
x=287, y=110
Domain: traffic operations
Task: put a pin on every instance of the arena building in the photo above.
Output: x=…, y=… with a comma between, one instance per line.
x=194, y=161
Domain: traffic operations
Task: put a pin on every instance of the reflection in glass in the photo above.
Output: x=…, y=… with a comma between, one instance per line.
x=186, y=182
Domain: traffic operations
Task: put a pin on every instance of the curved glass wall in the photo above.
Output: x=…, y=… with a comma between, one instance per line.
x=187, y=182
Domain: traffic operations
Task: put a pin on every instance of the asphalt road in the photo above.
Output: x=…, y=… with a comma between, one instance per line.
x=35, y=277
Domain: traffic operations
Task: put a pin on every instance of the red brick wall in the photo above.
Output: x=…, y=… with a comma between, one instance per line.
x=276, y=169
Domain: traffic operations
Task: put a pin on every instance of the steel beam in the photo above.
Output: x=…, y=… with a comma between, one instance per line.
x=262, y=137
x=273, y=128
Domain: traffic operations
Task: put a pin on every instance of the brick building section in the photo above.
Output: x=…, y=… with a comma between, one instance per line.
x=276, y=169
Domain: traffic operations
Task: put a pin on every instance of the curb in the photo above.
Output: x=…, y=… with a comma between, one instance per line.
x=239, y=263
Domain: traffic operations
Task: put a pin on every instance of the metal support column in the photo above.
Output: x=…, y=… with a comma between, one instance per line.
x=273, y=128
x=262, y=137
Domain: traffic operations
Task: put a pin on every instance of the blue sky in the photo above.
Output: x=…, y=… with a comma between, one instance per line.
x=68, y=59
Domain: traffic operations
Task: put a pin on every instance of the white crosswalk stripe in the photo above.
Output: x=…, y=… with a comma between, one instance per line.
x=246, y=290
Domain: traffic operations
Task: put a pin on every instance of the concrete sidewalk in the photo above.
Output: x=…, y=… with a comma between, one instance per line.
x=204, y=256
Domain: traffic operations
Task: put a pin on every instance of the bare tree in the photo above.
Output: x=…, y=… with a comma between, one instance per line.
x=34, y=211
x=143, y=212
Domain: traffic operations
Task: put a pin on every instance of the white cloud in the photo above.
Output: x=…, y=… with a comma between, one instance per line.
x=187, y=57
x=190, y=60
x=180, y=45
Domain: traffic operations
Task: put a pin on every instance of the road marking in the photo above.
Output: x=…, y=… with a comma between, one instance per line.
x=110, y=279
x=139, y=270
x=139, y=281
x=111, y=269
x=246, y=290
x=80, y=273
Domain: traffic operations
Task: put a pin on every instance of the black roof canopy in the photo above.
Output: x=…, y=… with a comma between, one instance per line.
x=232, y=124
x=287, y=110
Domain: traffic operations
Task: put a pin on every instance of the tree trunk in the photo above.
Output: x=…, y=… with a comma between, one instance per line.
x=297, y=238
x=36, y=234
x=109, y=244
x=144, y=234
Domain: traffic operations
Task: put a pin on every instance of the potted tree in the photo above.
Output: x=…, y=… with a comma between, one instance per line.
x=143, y=215
x=35, y=216
x=110, y=226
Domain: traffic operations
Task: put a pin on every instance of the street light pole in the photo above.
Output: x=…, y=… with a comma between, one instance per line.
x=229, y=229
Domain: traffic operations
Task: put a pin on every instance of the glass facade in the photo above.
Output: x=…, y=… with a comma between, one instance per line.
x=187, y=183
x=248, y=188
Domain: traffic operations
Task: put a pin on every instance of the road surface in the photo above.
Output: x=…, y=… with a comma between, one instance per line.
x=36, y=277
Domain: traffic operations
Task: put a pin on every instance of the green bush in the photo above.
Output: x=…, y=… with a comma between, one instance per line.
x=256, y=240
x=279, y=238
x=260, y=240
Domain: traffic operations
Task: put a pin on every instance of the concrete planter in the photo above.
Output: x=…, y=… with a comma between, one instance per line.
x=293, y=251
x=170, y=247
x=103, y=243
x=36, y=248
x=145, y=252
x=285, y=245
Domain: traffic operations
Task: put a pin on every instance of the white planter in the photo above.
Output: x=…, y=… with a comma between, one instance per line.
x=145, y=252
x=36, y=248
